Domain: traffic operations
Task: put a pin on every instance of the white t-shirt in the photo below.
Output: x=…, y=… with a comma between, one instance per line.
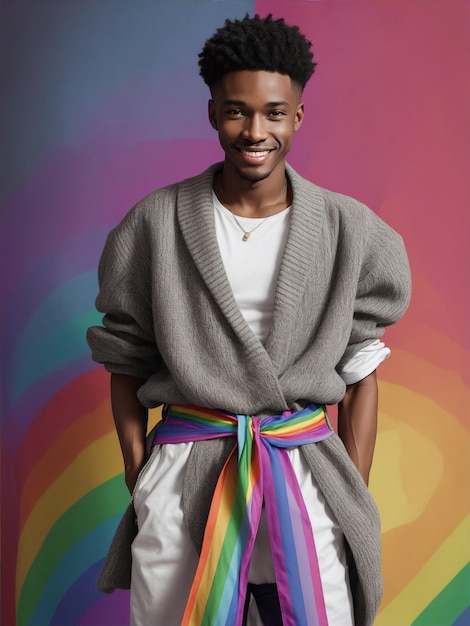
x=252, y=268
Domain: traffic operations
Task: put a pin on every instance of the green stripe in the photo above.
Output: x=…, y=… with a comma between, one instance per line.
x=231, y=534
x=293, y=421
x=93, y=509
x=211, y=421
x=449, y=604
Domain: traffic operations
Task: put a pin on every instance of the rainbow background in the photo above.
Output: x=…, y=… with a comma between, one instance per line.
x=101, y=103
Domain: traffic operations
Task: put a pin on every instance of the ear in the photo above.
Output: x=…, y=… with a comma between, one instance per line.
x=212, y=114
x=299, y=116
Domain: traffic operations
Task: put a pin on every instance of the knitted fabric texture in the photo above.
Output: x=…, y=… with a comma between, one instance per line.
x=171, y=317
x=172, y=320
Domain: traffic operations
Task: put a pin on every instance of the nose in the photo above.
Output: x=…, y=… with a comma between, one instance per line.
x=254, y=129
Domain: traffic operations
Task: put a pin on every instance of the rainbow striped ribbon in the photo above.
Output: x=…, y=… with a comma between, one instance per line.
x=259, y=472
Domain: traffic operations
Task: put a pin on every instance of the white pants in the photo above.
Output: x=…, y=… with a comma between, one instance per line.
x=164, y=559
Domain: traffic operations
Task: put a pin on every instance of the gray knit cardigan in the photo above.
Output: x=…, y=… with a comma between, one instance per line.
x=170, y=318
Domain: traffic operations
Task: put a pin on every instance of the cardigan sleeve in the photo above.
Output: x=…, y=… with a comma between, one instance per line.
x=125, y=343
x=384, y=288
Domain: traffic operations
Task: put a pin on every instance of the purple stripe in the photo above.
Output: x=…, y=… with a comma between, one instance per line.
x=272, y=501
x=304, y=545
x=287, y=520
x=312, y=550
x=301, y=596
x=255, y=505
x=190, y=428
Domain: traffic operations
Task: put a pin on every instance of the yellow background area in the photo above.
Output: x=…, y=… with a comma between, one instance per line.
x=420, y=481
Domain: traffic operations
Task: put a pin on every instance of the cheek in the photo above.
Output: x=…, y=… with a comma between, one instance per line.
x=288, y=133
x=228, y=132
x=223, y=135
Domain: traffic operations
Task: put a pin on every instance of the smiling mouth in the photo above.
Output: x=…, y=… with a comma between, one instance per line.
x=257, y=154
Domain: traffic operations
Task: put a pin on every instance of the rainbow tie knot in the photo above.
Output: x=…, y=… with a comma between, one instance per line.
x=259, y=474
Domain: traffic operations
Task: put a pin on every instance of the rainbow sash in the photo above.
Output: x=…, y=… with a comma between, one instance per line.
x=258, y=470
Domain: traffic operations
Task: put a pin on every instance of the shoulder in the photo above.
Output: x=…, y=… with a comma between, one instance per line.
x=154, y=213
x=350, y=217
x=331, y=202
x=165, y=199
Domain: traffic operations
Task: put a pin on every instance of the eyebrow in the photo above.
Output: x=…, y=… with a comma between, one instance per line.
x=268, y=104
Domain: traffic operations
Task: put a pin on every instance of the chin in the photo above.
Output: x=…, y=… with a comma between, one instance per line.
x=254, y=178
x=254, y=175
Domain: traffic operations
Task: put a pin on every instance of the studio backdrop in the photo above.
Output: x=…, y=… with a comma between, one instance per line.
x=101, y=103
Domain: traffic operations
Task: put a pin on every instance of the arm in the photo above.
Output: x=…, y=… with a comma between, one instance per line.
x=357, y=422
x=130, y=418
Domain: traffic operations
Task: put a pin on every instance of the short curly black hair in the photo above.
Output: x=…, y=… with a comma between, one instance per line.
x=255, y=43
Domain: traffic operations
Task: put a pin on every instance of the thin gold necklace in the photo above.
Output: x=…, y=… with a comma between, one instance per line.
x=247, y=233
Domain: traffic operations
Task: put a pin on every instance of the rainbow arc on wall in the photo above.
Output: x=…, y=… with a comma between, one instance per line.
x=97, y=140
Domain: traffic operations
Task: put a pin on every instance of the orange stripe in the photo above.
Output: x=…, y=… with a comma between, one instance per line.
x=218, y=520
x=224, y=493
x=78, y=398
x=96, y=464
x=61, y=454
x=287, y=430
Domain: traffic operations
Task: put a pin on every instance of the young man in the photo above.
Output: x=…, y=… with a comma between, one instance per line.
x=244, y=300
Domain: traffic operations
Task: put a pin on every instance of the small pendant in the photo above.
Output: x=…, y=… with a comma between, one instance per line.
x=246, y=236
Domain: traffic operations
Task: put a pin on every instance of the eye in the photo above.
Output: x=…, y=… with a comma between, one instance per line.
x=276, y=115
x=235, y=113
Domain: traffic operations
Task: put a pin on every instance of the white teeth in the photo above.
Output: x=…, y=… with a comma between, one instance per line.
x=255, y=154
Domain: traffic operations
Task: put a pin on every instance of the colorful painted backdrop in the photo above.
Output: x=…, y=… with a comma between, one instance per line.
x=101, y=103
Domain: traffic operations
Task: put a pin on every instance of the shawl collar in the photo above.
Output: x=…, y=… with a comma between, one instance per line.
x=196, y=219
x=298, y=262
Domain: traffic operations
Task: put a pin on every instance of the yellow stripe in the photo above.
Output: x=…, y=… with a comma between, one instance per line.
x=292, y=428
x=220, y=528
x=98, y=463
x=202, y=413
x=61, y=452
x=296, y=426
x=218, y=539
x=444, y=564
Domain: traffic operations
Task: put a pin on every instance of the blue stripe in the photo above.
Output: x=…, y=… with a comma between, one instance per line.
x=232, y=582
x=80, y=558
x=302, y=564
x=78, y=600
x=287, y=538
x=229, y=600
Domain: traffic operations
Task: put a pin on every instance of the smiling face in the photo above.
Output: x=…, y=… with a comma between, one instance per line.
x=255, y=114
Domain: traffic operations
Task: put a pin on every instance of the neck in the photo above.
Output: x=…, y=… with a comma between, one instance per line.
x=253, y=199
